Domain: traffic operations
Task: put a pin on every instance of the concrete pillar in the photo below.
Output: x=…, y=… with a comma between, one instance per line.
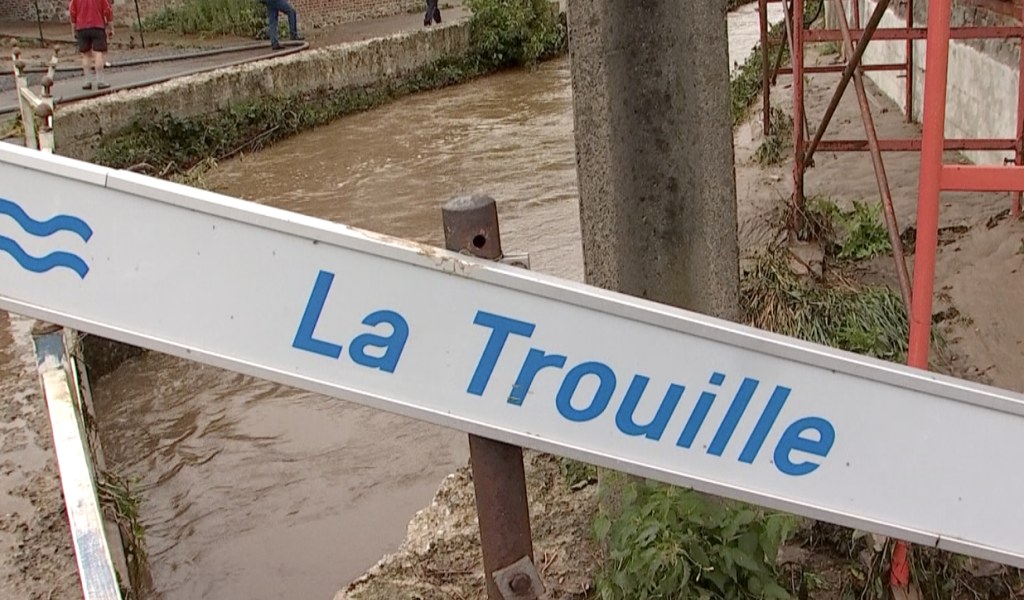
x=654, y=150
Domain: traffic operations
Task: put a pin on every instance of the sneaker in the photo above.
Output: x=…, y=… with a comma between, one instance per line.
x=87, y=86
x=277, y=47
x=298, y=37
x=102, y=86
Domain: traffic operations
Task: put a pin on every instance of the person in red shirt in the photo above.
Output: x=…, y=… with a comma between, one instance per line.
x=91, y=20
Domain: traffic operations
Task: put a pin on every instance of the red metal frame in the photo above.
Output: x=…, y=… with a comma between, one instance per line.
x=935, y=175
x=797, y=37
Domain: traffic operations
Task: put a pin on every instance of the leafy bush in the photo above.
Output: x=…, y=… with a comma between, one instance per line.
x=245, y=18
x=855, y=234
x=515, y=32
x=668, y=543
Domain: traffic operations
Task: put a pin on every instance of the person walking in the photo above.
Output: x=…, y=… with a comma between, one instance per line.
x=92, y=21
x=281, y=6
x=433, y=13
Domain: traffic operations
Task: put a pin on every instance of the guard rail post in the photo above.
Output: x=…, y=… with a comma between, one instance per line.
x=92, y=550
x=28, y=123
x=32, y=106
x=499, y=480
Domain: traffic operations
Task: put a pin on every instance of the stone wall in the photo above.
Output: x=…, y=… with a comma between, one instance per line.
x=80, y=126
x=983, y=74
x=310, y=11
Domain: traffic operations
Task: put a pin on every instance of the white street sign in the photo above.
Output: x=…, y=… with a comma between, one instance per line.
x=513, y=355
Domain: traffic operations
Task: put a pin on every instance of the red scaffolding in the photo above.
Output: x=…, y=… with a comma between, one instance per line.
x=935, y=175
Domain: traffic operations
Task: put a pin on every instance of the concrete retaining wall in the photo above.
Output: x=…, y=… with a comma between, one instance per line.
x=983, y=76
x=80, y=126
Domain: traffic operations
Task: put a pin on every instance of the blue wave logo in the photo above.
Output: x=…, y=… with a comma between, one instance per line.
x=44, y=229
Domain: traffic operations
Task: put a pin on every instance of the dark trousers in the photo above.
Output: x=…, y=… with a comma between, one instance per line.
x=281, y=6
x=433, y=13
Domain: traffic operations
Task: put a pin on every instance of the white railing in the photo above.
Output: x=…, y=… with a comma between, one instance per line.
x=33, y=106
x=59, y=375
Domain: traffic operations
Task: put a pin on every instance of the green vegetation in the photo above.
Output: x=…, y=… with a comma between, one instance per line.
x=779, y=139
x=174, y=146
x=245, y=18
x=856, y=234
x=830, y=48
x=514, y=32
x=11, y=128
x=670, y=543
x=746, y=83
x=121, y=505
x=839, y=313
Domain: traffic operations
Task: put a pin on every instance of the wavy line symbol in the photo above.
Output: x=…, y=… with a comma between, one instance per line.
x=44, y=229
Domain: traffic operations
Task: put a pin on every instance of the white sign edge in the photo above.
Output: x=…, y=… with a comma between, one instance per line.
x=533, y=283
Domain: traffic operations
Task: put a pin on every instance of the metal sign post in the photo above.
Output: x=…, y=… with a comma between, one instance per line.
x=499, y=481
x=513, y=355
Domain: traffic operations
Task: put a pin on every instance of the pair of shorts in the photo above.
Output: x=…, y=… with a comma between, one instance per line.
x=92, y=39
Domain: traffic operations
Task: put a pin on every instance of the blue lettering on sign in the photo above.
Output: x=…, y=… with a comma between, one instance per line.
x=388, y=349
x=814, y=436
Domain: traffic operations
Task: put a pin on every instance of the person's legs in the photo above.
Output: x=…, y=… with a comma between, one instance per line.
x=429, y=15
x=99, y=46
x=272, y=23
x=293, y=19
x=85, y=49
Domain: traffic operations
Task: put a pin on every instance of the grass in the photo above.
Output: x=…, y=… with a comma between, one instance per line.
x=772, y=150
x=855, y=234
x=122, y=505
x=746, y=84
x=245, y=18
x=11, y=128
x=838, y=313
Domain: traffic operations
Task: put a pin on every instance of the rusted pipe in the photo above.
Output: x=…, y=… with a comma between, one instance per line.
x=499, y=481
x=876, y=159
x=910, y=64
x=766, y=85
x=851, y=65
x=799, y=116
x=1018, y=150
x=788, y=21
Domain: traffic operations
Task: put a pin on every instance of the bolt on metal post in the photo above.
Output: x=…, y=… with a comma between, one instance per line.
x=499, y=480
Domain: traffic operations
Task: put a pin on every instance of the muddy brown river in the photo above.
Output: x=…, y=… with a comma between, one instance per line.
x=257, y=491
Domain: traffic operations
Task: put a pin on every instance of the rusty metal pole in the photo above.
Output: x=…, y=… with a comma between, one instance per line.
x=766, y=84
x=800, y=115
x=876, y=159
x=851, y=65
x=910, y=64
x=1018, y=147
x=499, y=481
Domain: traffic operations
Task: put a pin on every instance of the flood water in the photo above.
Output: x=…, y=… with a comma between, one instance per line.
x=257, y=491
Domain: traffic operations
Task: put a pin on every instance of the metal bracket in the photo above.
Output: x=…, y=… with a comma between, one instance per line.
x=516, y=259
x=520, y=581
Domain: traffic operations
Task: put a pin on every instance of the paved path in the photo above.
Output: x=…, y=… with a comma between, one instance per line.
x=68, y=87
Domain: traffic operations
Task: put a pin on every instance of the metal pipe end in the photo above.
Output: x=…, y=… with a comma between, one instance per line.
x=471, y=225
